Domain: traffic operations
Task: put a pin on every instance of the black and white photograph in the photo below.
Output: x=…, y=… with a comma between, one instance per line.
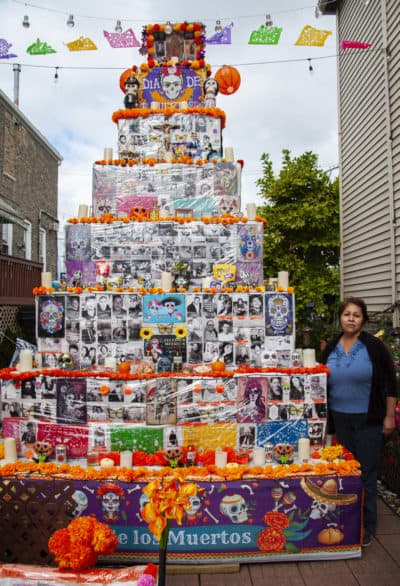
x=71, y=401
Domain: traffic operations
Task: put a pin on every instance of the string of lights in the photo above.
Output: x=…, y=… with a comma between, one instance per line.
x=129, y=18
x=341, y=54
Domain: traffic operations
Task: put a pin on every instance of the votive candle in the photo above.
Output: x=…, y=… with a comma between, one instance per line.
x=251, y=211
x=108, y=154
x=258, y=457
x=10, y=449
x=126, y=459
x=83, y=210
x=303, y=450
x=166, y=281
x=308, y=357
x=228, y=155
x=47, y=280
x=221, y=458
x=25, y=360
x=283, y=279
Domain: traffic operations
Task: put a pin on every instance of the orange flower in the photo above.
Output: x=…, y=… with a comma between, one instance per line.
x=104, y=389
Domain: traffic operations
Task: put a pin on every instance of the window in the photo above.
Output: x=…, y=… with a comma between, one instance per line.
x=6, y=233
x=28, y=239
x=42, y=247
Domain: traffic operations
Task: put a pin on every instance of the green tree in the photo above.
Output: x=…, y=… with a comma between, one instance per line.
x=302, y=236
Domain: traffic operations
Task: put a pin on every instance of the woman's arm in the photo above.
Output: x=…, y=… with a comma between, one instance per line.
x=389, y=423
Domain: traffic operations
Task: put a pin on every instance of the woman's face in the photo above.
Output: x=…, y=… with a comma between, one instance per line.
x=275, y=384
x=256, y=304
x=352, y=319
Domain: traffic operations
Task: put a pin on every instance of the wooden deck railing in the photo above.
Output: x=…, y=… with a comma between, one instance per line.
x=17, y=279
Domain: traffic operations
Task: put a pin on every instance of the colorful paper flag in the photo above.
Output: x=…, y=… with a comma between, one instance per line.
x=265, y=35
x=222, y=37
x=82, y=44
x=354, y=45
x=40, y=48
x=122, y=40
x=4, y=46
x=312, y=37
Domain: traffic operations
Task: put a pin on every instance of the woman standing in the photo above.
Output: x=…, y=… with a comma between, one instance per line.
x=361, y=397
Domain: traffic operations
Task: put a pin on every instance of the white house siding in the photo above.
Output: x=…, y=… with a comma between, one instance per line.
x=367, y=89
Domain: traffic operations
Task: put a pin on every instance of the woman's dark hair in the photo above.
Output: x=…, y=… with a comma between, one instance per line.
x=355, y=301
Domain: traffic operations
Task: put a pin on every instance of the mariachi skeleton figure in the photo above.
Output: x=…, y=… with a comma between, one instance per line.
x=235, y=507
x=131, y=86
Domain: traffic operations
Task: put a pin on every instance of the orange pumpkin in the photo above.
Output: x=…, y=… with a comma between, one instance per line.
x=218, y=366
x=228, y=79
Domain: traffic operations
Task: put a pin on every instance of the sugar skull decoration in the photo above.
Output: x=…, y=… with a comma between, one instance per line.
x=193, y=510
x=110, y=495
x=78, y=239
x=279, y=315
x=51, y=317
x=81, y=503
x=269, y=358
x=235, y=507
x=66, y=362
x=249, y=243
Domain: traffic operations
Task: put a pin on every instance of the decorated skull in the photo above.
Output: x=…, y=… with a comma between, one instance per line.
x=81, y=503
x=78, y=242
x=320, y=509
x=278, y=309
x=51, y=316
x=193, y=508
x=110, y=503
x=269, y=358
x=235, y=507
x=66, y=362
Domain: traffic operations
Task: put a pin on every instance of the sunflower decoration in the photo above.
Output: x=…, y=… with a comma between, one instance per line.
x=146, y=333
x=180, y=332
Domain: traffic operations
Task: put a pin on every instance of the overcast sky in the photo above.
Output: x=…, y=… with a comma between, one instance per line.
x=279, y=105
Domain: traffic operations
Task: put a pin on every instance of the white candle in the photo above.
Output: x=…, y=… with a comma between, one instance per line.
x=221, y=458
x=229, y=154
x=25, y=360
x=251, y=210
x=258, y=457
x=308, y=357
x=283, y=279
x=166, y=281
x=47, y=280
x=126, y=459
x=108, y=154
x=110, y=363
x=206, y=282
x=10, y=449
x=303, y=450
x=83, y=210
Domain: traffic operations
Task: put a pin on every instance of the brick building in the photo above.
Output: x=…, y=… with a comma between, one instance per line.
x=28, y=212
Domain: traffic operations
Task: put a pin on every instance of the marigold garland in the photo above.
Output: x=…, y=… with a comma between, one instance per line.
x=206, y=471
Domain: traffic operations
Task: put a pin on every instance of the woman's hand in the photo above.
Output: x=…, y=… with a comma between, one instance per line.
x=389, y=424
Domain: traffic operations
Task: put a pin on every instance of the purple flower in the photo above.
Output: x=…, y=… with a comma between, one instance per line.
x=146, y=580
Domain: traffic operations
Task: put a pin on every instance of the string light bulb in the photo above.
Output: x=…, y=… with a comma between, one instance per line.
x=118, y=27
x=168, y=28
x=218, y=26
x=310, y=67
x=317, y=12
x=268, y=20
x=25, y=22
x=70, y=21
x=56, y=76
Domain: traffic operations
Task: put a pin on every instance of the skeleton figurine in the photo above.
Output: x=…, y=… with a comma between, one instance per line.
x=235, y=507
